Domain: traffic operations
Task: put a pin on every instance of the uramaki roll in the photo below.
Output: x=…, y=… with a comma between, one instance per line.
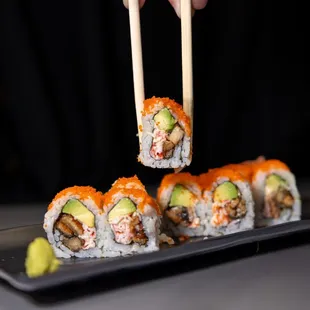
x=166, y=137
x=275, y=192
x=229, y=201
x=184, y=211
x=132, y=222
x=73, y=222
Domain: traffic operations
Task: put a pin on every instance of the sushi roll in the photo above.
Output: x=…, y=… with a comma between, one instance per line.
x=166, y=135
x=276, y=196
x=73, y=222
x=184, y=211
x=131, y=220
x=229, y=200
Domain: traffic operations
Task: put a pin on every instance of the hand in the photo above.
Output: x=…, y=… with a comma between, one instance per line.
x=196, y=4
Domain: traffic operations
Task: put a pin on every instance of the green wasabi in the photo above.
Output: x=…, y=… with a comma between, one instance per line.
x=40, y=258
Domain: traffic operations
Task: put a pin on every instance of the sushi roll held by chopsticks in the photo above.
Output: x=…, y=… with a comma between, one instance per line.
x=166, y=134
x=132, y=220
x=73, y=222
x=165, y=129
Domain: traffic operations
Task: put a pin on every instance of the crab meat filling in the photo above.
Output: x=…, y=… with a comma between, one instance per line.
x=166, y=135
x=126, y=223
x=228, y=204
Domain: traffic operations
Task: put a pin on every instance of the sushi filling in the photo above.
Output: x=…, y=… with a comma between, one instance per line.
x=228, y=205
x=278, y=197
x=76, y=226
x=181, y=209
x=166, y=135
x=126, y=223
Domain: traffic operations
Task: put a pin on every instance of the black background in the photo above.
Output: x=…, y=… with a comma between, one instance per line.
x=67, y=103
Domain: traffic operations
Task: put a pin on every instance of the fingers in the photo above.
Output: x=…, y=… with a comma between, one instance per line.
x=141, y=3
x=199, y=4
x=196, y=4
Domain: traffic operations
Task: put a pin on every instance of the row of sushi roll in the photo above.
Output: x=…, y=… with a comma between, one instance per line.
x=126, y=220
x=82, y=222
x=229, y=199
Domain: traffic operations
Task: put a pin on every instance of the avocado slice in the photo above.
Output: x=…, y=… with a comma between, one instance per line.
x=124, y=207
x=181, y=197
x=75, y=208
x=273, y=182
x=164, y=120
x=225, y=191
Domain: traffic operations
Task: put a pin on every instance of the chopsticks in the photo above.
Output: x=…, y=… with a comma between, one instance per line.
x=137, y=63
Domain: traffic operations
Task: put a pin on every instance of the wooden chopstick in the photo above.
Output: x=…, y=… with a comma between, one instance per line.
x=137, y=61
x=187, y=63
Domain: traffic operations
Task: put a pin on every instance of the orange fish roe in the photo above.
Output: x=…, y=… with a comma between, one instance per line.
x=134, y=182
x=184, y=178
x=207, y=179
x=84, y=193
x=244, y=169
x=270, y=164
x=153, y=203
x=110, y=197
x=150, y=106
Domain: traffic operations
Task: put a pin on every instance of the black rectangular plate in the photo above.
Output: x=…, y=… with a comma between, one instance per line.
x=14, y=242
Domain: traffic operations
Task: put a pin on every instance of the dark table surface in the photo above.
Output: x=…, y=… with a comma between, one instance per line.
x=275, y=280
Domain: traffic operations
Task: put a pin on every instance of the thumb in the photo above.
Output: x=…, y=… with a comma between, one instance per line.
x=141, y=3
